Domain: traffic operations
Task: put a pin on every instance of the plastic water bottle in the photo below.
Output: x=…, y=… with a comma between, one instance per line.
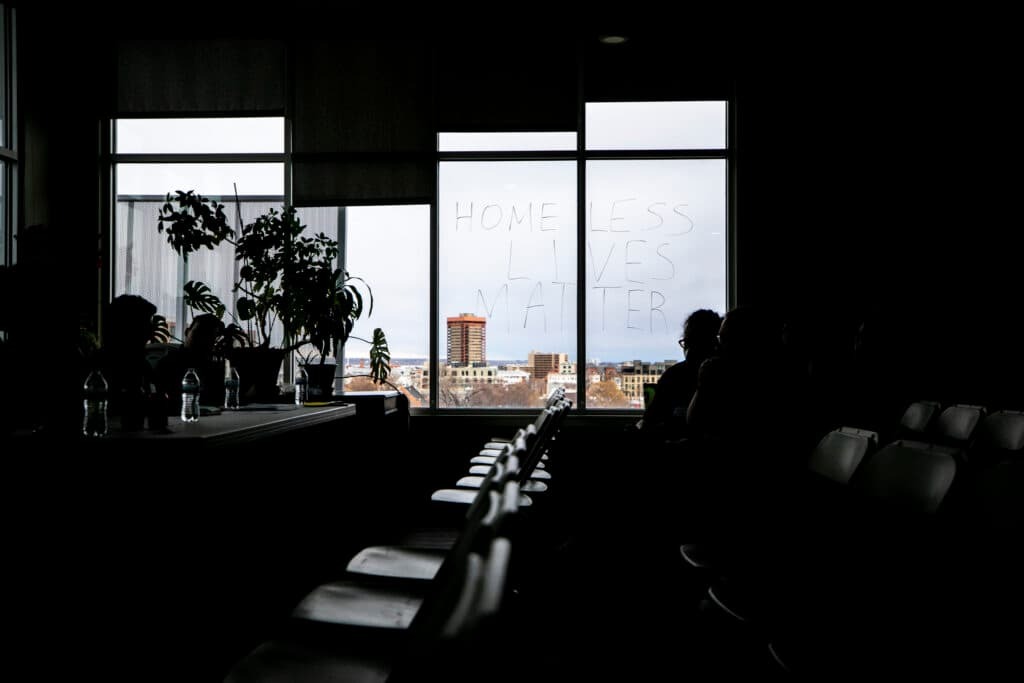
x=95, y=404
x=231, y=389
x=190, y=396
x=301, y=386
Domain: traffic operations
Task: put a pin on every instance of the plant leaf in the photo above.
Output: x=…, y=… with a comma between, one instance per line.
x=380, y=357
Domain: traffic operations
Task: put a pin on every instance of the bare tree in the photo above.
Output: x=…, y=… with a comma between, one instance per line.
x=606, y=395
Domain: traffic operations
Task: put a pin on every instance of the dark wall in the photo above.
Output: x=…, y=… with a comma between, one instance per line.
x=63, y=96
x=879, y=185
x=61, y=99
x=870, y=177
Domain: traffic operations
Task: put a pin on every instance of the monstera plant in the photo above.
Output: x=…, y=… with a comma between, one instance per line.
x=199, y=223
x=285, y=277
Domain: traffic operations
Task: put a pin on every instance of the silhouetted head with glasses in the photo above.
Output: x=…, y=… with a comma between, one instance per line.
x=700, y=332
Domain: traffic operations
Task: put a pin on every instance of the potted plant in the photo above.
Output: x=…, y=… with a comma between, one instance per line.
x=328, y=325
x=285, y=277
x=292, y=277
x=199, y=223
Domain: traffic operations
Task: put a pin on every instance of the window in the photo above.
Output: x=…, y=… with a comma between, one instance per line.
x=8, y=133
x=656, y=233
x=653, y=240
x=507, y=283
x=506, y=142
x=656, y=125
x=558, y=263
x=155, y=157
x=389, y=248
x=655, y=252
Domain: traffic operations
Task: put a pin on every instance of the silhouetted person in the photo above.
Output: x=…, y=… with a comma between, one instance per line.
x=739, y=388
x=665, y=418
x=742, y=424
x=128, y=328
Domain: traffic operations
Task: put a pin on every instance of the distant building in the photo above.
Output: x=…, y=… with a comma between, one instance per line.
x=566, y=381
x=423, y=378
x=470, y=375
x=513, y=376
x=407, y=375
x=634, y=375
x=542, y=364
x=467, y=341
x=462, y=376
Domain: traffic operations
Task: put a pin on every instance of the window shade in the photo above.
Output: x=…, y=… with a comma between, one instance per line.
x=189, y=77
x=362, y=128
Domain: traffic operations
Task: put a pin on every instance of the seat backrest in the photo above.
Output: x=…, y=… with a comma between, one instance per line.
x=505, y=467
x=458, y=568
x=1003, y=431
x=956, y=423
x=547, y=425
x=913, y=479
x=465, y=645
x=484, y=600
x=451, y=637
x=839, y=453
x=557, y=395
x=918, y=416
x=538, y=442
x=867, y=433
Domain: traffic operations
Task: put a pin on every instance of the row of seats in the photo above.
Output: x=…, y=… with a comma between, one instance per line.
x=420, y=552
x=971, y=429
x=882, y=537
x=424, y=608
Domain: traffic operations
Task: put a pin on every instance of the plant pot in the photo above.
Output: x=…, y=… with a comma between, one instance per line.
x=211, y=383
x=321, y=381
x=258, y=369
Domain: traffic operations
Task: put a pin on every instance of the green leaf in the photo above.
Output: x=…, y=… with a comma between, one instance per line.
x=160, y=333
x=199, y=297
x=380, y=357
x=246, y=309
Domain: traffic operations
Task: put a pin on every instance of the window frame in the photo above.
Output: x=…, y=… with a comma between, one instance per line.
x=115, y=159
x=581, y=155
x=9, y=185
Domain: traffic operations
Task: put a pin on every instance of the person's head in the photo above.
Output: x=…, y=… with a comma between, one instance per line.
x=700, y=332
x=748, y=331
x=203, y=332
x=129, y=322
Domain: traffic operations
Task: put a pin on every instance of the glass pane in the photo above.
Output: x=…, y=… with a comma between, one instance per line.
x=389, y=248
x=144, y=262
x=656, y=251
x=3, y=79
x=656, y=125
x=506, y=142
x=209, y=180
x=200, y=136
x=3, y=214
x=507, y=281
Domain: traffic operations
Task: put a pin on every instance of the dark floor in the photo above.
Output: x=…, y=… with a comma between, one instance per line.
x=601, y=592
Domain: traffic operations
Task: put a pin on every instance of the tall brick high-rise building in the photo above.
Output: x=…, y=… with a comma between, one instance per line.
x=467, y=340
